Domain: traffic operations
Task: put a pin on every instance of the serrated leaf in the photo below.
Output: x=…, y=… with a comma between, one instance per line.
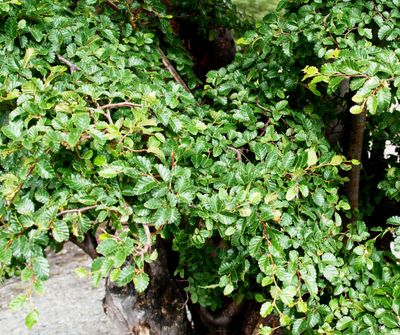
x=41, y=267
x=344, y=323
x=389, y=320
x=25, y=206
x=330, y=272
x=394, y=221
x=11, y=27
x=107, y=247
x=126, y=275
x=299, y=326
x=164, y=172
x=144, y=185
x=60, y=231
x=17, y=302
x=254, y=245
x=287, y=294
x=111, y=171
x=13, y=130
x=141, y=281
x=45, y=170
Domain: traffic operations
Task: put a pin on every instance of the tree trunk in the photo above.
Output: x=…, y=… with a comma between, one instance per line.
x=160, y=310
x=357, y=128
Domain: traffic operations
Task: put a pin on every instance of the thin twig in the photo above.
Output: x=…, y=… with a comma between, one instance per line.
x=112, y=4
x=239, y=153
x=72, y=66
x=77, y=210
x=119, y=105
x=171, y=70
x=108, y=116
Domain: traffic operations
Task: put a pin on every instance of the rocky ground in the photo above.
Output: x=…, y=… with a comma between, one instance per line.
x=69, y=305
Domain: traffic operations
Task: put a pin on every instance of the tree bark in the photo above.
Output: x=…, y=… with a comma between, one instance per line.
x=159, y=310
x=356, y=141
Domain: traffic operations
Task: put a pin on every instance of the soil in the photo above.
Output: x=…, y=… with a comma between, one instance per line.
x=69, y=305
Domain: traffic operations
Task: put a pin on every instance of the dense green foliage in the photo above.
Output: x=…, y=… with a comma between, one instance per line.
x=237, y=174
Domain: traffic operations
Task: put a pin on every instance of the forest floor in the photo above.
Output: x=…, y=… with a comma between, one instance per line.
x=69, y=305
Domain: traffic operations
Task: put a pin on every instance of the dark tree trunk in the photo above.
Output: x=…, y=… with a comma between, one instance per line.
x=160, y=310
x=356, y=143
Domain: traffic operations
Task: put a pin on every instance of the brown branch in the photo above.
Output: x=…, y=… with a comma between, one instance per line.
x=119, y=105
x=112, y=4
x=88, y=245
x=226, y=316
x=72, y=66
x=76, y=210
x=107, y=115
x=171, y=70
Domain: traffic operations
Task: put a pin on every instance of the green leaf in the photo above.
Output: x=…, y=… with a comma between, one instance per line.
x=25, y=206
x=164, y=172
x=144, y=185
x=100, y=160
x=13, y=130
x=141, y=281
x=126, y=276
x=111, y=171
x=11, y=27
x=337, y=160
x=107, y=247
x=319, y=197
x=228, y=289
x=60, y=231
x=17, y=302
x=31, y=319
x=45, y=170
x=312, y=157
x=394, y=221
x=254, y=245
x=356, y=109
x=344, y=322
x=299, y=326
x=389, y=320
x=230, y=231
x=287, y=294
x=41, y=267
x=266, y=309
x=330, y=272
x=292, y=193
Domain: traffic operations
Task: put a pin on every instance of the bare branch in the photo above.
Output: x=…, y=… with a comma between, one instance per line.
x=76, y=210
x=112, y=4
x=88, y=245
x=171, y=70
x=72, y=66
x=119, y=105
x=108, y=116
x=225, y=318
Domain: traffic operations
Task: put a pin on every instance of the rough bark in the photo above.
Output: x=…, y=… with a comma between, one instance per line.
x=159, y=310
x=356, y=141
